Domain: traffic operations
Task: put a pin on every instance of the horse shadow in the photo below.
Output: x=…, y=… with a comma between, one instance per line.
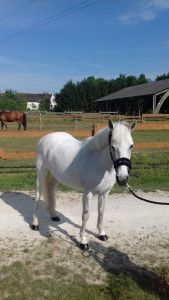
x=24, y=204
x=111, y=260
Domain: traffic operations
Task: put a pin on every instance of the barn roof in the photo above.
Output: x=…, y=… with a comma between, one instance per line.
x=146, y=89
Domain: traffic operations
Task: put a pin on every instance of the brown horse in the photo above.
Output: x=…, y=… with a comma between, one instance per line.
x=10, y=116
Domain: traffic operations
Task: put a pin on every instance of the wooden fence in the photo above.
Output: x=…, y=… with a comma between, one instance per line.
x=99, y=121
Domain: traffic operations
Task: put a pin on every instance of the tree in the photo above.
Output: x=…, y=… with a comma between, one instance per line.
x=12, y=101
x=80, y=96
x=66, y=99
x=164, y=76
x=142, y=79
x=43, y=105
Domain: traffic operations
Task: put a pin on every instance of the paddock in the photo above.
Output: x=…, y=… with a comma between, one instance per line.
x=137, y=230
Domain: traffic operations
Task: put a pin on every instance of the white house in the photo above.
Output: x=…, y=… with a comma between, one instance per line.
x=33, y=100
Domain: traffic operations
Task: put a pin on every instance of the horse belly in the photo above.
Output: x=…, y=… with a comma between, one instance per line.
x=67, y=175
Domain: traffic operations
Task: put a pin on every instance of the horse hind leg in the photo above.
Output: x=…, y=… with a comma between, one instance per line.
x=52, y=200
x=42, y=183
x=19, y=125
x=38, y=193
x=49, y=195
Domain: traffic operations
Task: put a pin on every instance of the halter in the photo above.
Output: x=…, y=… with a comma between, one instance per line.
x=122, y=161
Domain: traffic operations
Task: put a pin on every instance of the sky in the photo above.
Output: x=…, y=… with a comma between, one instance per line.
x=46, y=43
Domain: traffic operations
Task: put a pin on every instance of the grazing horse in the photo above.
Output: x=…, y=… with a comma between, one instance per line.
x=92, y=166
x=10, y=116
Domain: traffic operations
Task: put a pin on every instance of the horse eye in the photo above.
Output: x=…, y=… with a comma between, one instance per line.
x=131, y=146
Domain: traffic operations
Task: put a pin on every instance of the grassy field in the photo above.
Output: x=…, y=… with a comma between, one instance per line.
x=151, y=172
x=43, y=276
x=149, y=166
x=48, y=123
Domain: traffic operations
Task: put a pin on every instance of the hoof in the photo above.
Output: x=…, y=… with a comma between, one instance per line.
x=56, y=219
x=84, y=247
x=103, y=237
x=34, y=227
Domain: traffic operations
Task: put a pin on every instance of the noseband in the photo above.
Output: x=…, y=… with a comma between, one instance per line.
x=122, y=161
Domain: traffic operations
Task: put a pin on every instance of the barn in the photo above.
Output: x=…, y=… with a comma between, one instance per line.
x=144, y=98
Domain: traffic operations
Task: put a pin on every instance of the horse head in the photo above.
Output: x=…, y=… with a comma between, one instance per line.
x=121, y=143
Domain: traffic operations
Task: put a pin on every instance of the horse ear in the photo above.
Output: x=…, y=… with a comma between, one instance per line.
x=110, y=124
x=133, y=125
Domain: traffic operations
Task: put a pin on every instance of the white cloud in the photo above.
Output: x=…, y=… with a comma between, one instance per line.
x=143, y=11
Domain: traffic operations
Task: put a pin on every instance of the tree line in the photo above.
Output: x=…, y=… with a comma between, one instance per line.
x=78, y=96
x=10, y=100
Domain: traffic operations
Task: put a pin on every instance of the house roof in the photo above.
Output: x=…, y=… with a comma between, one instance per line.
x=36, y=97
x=146, y=89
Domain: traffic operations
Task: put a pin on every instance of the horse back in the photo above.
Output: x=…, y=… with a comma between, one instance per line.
x=9, y=116
x=57, y=146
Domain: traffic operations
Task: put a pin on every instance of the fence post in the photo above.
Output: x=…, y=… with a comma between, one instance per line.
x=75, y=122
x=40, y=121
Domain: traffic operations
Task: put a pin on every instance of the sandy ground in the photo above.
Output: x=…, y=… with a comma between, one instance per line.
x=138, y=232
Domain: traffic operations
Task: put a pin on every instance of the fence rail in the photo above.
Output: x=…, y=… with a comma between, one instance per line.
x=89, y=123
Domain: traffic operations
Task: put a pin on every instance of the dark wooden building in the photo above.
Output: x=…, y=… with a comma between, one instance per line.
x=145, y=98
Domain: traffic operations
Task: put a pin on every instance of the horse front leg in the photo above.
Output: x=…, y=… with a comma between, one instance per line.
x=101, y=209
x=19, y=125
x=87, y=196
x=4, y=123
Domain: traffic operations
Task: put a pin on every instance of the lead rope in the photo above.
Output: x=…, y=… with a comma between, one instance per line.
x=143, y=199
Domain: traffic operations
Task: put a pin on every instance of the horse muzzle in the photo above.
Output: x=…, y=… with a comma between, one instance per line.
x=122, y=181
x=122, y=178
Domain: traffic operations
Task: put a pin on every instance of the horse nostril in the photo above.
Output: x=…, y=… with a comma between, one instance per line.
x=122, y=181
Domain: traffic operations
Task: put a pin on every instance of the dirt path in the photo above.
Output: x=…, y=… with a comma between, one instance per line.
x=135, y=228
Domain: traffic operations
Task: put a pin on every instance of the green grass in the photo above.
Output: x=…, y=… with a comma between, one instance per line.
x=140, y=136
x=29, y=144
x=151, y=171
x=25, y=281
x=19, y=144
x=53, y=124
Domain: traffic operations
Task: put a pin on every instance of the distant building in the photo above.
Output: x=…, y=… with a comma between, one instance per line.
x=52, y=102
x=33, y=100
x=152, y=98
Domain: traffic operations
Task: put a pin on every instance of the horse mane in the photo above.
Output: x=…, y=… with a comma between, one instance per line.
x=100, y=139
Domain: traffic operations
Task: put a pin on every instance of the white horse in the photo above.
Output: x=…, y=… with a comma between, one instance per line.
x=92, y=166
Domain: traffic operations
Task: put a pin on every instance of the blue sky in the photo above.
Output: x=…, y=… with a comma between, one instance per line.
x=44, y=44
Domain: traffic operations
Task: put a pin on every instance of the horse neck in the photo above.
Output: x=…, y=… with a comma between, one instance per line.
x=100, y=140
